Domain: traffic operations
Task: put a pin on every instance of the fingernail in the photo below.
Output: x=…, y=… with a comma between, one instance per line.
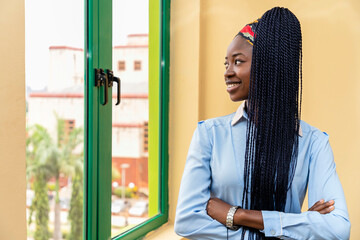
x=321, y=200
x=331, y=207
x=331, y=201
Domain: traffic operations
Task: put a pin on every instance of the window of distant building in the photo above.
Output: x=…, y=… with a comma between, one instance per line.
x=137, y=65
x=69, y=126
x=121, y=65
x=145, y=137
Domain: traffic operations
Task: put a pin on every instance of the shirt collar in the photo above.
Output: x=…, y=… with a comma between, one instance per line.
x=241, y=113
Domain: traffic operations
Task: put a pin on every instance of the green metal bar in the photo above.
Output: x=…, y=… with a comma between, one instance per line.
x=142, y=229
x=86, y=112
x=165, y=66
x=97, y=197
x=105, y=123
x=91, y=122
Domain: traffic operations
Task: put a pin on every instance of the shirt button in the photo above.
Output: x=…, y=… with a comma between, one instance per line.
x=272, y=232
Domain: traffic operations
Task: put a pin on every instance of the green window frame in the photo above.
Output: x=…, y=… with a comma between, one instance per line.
x=98, y=54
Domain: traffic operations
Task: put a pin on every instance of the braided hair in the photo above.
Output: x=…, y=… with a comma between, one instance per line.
x=274, y=109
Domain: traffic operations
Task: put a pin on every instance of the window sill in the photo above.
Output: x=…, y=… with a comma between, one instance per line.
x=165, y=232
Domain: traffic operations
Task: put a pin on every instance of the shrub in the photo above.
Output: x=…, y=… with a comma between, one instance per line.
x=128, y=192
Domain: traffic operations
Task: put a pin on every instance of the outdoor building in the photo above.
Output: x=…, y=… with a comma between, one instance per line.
x=130, y=118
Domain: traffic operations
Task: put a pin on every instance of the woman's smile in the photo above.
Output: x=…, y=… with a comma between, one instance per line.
x=232, y=86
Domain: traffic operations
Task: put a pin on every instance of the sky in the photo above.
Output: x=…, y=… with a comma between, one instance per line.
x=61, y=23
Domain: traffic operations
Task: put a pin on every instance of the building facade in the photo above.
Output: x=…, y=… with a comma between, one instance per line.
x=64, y=98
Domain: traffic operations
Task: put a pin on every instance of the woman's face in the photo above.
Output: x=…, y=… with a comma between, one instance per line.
x=238, y=67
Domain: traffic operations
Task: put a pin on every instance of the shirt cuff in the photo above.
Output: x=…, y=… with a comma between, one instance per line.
x=272, y=224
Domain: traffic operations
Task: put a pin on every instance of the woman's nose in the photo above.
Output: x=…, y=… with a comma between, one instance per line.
x=229, y=72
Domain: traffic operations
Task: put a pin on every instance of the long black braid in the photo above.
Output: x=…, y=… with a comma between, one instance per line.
x=274, y=109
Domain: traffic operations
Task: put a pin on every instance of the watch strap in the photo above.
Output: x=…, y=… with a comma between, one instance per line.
x=230, y=218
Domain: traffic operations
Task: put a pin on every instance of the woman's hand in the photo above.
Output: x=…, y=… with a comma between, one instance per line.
x=323, y=207
x=218, y=209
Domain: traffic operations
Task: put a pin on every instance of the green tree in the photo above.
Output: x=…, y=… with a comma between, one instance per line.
x=75, y=171
x=67, y=162
x=41, y=204
x=76, y=207
x=39, y=152
x=54, y=158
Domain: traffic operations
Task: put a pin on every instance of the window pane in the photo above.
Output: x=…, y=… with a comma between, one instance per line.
x=54, y=117
x=121, y=65
x=130, y=185
x=137, y=65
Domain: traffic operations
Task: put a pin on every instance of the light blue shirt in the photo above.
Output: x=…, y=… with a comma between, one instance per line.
x=215, y=168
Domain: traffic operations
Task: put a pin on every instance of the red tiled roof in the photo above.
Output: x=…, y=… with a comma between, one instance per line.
x=81, y=95
x=138, y=35
x=127, y=125
x=65, y=47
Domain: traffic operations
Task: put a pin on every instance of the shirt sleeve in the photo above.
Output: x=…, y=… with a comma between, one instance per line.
x=192, y=220
x=324, y=184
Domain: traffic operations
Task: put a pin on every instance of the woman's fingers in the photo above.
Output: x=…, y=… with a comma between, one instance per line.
x=327, y=210
x=323, y=207
x=317, y=204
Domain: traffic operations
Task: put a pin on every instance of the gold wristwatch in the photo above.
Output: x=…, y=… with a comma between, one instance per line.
x=230, y=218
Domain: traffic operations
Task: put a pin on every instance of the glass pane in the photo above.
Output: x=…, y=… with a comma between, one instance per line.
x=130, y=185
x=55, y=118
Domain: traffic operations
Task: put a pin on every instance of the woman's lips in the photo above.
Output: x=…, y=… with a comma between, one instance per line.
x=231, y=87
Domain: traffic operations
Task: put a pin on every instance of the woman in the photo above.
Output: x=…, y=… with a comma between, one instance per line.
x=247, y=173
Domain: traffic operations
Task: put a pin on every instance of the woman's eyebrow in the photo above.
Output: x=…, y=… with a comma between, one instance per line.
x=236, y=54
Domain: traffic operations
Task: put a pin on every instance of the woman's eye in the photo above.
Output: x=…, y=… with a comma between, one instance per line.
x=226, y=64
x=238, y=61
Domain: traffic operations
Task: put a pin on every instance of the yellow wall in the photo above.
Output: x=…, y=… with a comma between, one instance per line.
x=12, y=120
x=200, y=33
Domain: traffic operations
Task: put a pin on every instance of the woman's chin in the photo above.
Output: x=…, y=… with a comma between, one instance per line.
x=235, y=98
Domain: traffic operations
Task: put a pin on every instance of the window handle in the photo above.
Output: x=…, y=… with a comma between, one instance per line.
x=118, y=81
x=101, y=79
x=112, y=78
